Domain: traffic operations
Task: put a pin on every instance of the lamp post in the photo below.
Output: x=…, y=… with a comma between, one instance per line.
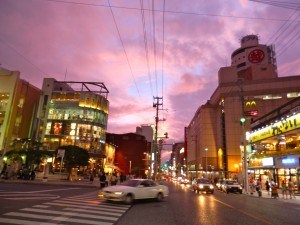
x=243, y=120
x=206, y=149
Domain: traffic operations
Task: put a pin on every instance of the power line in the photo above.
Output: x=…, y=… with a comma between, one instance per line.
x=124, y=48
x=287, y=5
x=146, y=44
x=163, y=49
x=169, y=11
x=154, y=46
x=25, y=58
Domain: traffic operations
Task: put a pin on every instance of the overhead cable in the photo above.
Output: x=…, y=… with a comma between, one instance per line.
x=124, y=48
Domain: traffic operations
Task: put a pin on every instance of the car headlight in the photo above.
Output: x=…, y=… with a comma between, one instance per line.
x=201, y=186
x=211, y=186
x=118, y=193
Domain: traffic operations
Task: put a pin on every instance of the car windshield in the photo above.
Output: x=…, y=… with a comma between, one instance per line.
x=203, y=181
x=131, y=183
x=231, y=182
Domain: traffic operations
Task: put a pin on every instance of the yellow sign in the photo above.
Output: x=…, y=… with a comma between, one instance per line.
x=278, y=128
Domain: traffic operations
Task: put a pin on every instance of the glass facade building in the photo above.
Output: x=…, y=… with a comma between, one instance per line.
x=74, y=113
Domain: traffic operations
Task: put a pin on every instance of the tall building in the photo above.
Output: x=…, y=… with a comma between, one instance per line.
x=18, y=107
x=250, y=87
x=74, y=113
x=131, y=153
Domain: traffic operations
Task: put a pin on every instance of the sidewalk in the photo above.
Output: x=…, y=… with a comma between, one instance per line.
x=265, y=194
x=56, y=181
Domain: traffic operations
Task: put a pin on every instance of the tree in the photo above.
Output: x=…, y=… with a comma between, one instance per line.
x=75, y=157
x=29, y=150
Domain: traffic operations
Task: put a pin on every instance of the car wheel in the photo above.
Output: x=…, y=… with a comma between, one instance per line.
x=128, y=199
x=159, y=197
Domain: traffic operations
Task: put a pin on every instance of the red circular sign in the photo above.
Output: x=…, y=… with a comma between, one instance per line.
x=256, y=56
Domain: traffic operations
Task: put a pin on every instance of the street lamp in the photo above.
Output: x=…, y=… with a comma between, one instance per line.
x=243, y=120
x=206, y=149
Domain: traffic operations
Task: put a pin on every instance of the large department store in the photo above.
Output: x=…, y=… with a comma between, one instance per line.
x=249, y=88
x=275, y=145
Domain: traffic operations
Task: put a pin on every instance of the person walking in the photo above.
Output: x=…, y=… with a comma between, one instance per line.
x=284, y=189
x=291, y=188
x=102, y=179
x=113, y=180
x=258, y=187
x=267, y=184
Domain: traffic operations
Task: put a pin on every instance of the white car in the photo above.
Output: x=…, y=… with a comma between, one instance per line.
x=133, y=190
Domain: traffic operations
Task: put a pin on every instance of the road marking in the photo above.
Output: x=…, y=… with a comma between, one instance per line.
x=62, y=213
x=41, y=206
x=94, y=211
x=92, y=204
x=102, y=207
x=24, y=222
x=244, y=212
x=49, y=190
x=61, y=218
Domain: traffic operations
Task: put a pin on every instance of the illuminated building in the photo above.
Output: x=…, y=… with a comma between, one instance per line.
x=18, y=106
x=74, y=113
x=249, y=88
x=275, y=144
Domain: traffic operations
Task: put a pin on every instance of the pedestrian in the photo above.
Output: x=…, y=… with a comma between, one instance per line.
x=258, y=187
x=267, y=184
x=284, y=189
x=291, y=188
x=107, y=179
x=91, y=177
x=113, y=178
x=102, y=179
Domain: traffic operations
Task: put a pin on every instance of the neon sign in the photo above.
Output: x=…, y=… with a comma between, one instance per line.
x=288, y=161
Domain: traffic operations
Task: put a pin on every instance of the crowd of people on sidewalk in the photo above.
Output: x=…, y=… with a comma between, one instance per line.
x=287, y=187
x=110, y=179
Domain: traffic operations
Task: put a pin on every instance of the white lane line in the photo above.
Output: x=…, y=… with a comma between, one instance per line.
x=61, y=218
x=99, y=207
x=69, y=214
x=100, y=200
x=49, y=190
x=32, y=198
x=94, y=211
x=89, y=204
x=41, y=206
x=23, y=222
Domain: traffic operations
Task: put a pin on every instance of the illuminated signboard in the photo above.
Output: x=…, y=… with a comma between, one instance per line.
x=288, y=161
x=277, y=128
x=268, y=161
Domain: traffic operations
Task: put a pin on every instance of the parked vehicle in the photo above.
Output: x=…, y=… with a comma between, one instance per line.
x=134, y=189
x=232, y=186
x=202, y=185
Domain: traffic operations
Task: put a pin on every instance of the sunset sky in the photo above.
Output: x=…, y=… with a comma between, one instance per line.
x=142, y=49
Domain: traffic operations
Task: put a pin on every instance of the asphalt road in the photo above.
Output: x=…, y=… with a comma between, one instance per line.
x=184, y=207
x=56, y=204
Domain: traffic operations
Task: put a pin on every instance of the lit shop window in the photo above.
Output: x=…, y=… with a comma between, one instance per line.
x=48, y=128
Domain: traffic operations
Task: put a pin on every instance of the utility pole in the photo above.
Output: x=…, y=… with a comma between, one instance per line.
x=158, y=101
x=245, y=156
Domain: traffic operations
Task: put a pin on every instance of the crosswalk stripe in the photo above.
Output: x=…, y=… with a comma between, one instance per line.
x=62, y=213
x=94, y=211
x=99, y=207
x=89, y=204
x=61, y=218
x=100, y=200
x=41, y=206
x=23, y=222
